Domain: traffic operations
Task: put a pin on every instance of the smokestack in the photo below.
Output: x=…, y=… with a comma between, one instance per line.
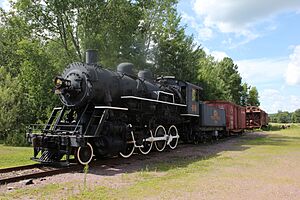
x=91, y=56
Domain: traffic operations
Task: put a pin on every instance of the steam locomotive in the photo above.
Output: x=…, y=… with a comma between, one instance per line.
x=106, y=113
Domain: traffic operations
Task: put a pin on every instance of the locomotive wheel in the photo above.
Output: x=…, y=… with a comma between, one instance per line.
x=160, y=132
x=174, y=137
x=84, y=155
x=147, y=145
x=130, y=146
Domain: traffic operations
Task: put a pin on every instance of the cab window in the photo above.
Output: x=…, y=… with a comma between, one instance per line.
x=195, y=94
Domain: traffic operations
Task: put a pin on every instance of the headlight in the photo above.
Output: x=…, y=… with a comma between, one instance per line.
x=58, y=82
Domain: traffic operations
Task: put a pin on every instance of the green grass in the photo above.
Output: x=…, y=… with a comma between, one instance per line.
x=15, y=156
x=249, y=163
x=187, y=175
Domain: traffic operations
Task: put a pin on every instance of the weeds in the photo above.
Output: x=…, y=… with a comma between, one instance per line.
x=85, y=170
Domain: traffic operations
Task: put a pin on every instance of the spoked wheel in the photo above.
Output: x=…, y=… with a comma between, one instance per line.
x=130, y=146
x=84, y=155
x=160, y=132
x=147, y=145
x=173, y=137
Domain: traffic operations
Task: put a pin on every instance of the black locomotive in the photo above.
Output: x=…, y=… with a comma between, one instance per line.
x=106, y=113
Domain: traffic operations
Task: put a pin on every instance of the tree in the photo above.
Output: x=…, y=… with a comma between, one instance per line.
x=228, y=72
x=25, y=80
x=175, y=53
x=8, y=100
x=273, y=118
x=296, y=116
x=221, y=80
x=109, y=26
x=213, y=86
x=283, y=117
x=253, y=99
x=244, y=94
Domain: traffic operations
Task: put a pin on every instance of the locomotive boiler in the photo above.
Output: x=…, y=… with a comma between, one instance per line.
x=82, y=83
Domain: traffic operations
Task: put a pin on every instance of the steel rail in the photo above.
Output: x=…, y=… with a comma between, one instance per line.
x=40, y=174
x=18, y=168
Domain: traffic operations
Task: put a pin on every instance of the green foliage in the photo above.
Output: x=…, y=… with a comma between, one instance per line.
x=212, y=84
x=228, y=73
x=175, y=53
x=283, y=117
x=16, y=138
x=253, y=97
x=296, y=116
x=249, y=96
x=220, y=80
x=36, y=78
x=25, y=75
x=109, y=26
x=244, y=94
x=9, y=103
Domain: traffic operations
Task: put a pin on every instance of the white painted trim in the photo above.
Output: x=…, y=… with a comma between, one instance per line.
x=167, y=93
x=70, y=136
x=170, y=77
x=153, y=100
x=110, y=107
x=189, y=115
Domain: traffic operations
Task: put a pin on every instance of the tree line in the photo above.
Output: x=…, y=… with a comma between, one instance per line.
x=39, y=38
x=285, y=117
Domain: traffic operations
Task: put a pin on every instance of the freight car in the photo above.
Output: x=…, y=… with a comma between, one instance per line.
x=235, y=116
x=107, y=113
x=256, y=117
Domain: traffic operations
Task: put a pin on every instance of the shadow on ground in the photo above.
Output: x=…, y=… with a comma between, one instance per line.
x=185, y=154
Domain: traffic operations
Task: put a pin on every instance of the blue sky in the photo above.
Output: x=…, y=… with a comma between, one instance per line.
x=262, y=37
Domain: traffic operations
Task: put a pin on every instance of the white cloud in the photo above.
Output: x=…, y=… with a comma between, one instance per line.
x=5, y=4
x=203, y=33
x=265, y=70
x=240, y=17
x=292, y=74
x=269, y=74
x=218, y=55
x=273, y=100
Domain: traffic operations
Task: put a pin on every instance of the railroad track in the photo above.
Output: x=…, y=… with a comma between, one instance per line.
x=15, y=174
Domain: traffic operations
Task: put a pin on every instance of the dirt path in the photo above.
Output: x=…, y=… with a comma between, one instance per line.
x=254, y=181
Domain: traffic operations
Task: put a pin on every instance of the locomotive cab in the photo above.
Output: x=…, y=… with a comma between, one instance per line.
x=192, y=98
x=189, y=93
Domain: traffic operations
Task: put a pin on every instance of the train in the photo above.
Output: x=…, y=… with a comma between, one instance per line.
x=256, y=117
x=106, y=113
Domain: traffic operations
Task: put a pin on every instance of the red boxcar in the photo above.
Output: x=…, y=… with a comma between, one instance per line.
x=256, y=117
x=235, y=115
